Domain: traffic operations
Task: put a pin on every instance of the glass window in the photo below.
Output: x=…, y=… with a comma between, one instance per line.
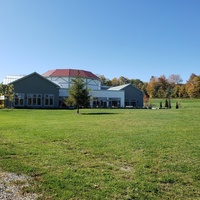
x=46, y=103
x=30, y=98
x=49, y=100
x=133, y=102
x=21, y=102
x=114, y=102
x=16, y=100
x=34, y=99
x=126, y=102
x=19, y=99
x=39, y=99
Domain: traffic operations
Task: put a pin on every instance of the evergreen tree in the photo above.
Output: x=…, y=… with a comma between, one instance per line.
x=166, y=104
x=78, y=93
x=161, y=105
x=177, y=106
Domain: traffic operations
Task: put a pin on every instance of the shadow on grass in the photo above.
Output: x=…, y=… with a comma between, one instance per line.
x=100, y=113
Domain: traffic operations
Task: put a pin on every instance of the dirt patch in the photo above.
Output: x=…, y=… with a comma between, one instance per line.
x=13, y=186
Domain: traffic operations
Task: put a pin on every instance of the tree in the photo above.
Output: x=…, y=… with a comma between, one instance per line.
x=193, y=86
x=176, y=91
x=183, y=93
x=163, y=87
x=109, y=82
x=123, y=80
x=166, y=104
x=146, y=99
x=78, y=93
x=115, y=82
x=8, y=92
x=144, y=88
x=174, y=78
x=70, y=101
x=177, y=106
x=137, y=83
x=103, y=79
x=151, y=87
x=1, y=89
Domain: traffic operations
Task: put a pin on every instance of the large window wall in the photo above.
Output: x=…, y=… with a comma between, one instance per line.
x=33, y=100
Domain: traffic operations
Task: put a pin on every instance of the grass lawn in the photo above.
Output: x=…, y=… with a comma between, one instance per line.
x=105, y=153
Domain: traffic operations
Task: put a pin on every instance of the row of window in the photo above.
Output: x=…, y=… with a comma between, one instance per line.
x=102, y=102
x=131, y=102
x=34, y=99
x=113, y=102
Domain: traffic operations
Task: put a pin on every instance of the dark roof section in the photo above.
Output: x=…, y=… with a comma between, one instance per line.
x=34, y=73
x=70, y=73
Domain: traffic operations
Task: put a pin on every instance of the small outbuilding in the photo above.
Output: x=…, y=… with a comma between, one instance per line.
x=133, y=96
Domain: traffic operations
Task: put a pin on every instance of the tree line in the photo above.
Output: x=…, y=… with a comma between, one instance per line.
x=161, y=87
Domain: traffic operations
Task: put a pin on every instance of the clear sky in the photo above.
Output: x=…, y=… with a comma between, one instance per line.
x=130, y=38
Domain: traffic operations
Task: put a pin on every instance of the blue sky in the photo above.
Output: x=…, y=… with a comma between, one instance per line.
x=130, y=38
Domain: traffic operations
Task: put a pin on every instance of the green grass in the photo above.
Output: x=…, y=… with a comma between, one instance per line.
x=105, y=153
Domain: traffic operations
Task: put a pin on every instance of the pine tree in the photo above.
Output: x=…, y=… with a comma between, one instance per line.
x=177, y=106
x=78, y=93
x=161, y=105
x=166, y=104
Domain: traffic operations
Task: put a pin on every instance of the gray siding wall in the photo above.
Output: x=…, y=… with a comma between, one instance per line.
x=133, y=93
x=34, y=84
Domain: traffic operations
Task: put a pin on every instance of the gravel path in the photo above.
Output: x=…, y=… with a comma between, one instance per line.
x=11, y=187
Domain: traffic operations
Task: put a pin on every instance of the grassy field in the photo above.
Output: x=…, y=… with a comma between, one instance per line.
x=105, y=153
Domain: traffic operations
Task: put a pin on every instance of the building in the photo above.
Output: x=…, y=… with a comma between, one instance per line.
x=51, y=88
x=35, y=91
x=133, y=96
x=100, y=98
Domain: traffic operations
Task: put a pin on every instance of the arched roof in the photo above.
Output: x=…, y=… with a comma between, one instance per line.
x=70, y=73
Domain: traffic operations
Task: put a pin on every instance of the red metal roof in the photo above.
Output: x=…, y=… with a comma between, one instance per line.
x=69, y=72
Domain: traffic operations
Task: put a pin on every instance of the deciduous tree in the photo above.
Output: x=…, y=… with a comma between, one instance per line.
x=175, y=78
x=8, y=92
x=195, y=88
x=192, y=86
x=123, y=80
x=103, y=79
x=151, y=87
x=115, y=82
